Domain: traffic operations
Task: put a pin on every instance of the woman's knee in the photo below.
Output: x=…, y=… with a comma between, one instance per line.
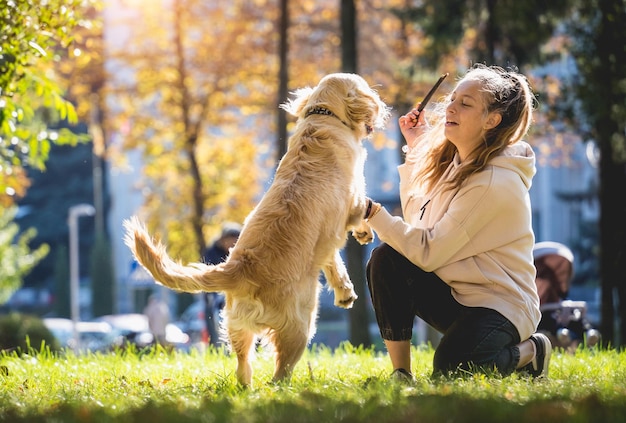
x=481, y=340
x=380, y=255
x=380, y=266
x=387, y=259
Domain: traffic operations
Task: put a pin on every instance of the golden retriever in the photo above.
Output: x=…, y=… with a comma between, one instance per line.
x=271, y=276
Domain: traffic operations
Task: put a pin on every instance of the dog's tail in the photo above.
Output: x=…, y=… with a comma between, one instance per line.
x=152, y=255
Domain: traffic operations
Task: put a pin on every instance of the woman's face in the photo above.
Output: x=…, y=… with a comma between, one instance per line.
x=466, y=117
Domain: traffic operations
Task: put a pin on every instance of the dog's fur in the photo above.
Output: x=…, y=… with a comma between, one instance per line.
x=271, y=277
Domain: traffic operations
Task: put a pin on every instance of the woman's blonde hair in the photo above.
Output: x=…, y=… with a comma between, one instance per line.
x=506, y=93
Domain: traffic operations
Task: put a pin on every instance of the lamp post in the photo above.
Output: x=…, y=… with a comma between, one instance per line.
x=72, y=221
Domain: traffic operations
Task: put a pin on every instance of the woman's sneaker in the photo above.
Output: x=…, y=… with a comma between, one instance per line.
x=403, y=375
x=538, y=367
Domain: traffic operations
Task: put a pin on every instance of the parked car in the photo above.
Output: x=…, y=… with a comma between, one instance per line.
x=92, y=336
x=193, y=324
x=98, y=336
x=135, y=329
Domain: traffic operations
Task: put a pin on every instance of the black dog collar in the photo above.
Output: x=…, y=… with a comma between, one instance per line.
x=324, y=111
x=320, y=111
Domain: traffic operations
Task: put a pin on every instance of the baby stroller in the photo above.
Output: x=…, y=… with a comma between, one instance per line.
x=564, y=321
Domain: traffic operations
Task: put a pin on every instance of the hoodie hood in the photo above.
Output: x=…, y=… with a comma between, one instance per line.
x=520, y=158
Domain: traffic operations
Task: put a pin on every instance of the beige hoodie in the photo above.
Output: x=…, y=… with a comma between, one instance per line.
x=478, y=239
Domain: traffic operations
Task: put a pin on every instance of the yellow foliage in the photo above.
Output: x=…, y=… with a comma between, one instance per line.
x=215, y=99
x=198, y=103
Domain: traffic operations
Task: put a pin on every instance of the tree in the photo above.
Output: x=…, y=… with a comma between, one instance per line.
x=599, y=27
x=30, y=98
x=16, y=257
x=189, y=104
x=456, y=33
x=36, y=40
x=359, y=318
x=493, y=31
x=85, y=76
x=283, y=78
x=194, y=89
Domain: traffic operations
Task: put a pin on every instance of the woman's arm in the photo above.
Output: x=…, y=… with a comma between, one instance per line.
x=480, y=218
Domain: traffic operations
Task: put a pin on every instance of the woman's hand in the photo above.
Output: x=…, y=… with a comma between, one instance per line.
x=412, y=125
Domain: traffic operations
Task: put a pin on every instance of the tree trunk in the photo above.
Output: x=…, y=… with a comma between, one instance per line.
x=102, y=267
x=358, y=315
x=612, y=248
x=283, y=77
x=490, y=32
x=610, y=132
x=190, y=143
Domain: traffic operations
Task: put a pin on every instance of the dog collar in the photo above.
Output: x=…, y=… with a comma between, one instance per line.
x=324, y=111
x=320, y=111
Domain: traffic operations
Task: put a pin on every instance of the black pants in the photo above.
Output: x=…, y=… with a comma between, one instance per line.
x=474, y=338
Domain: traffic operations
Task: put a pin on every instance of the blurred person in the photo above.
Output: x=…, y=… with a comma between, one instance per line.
x=461, y=257
x=158, y=314
x=563, y=320
x=216, y=253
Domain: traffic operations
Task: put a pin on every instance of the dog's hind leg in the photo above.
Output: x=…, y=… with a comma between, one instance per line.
x=242, y=343
x=289, y=344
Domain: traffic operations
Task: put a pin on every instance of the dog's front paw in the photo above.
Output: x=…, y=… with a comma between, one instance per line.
x=345, y=297
x=363, y=237
x=363, y=233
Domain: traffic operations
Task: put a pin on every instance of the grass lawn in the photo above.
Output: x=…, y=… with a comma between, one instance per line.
x=348, y=385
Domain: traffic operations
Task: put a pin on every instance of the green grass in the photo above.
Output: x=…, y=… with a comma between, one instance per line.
x=349, y=385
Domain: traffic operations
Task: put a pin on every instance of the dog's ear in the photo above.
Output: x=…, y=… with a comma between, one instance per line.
x=295, y=105
x=364, y=105
x=351, y=97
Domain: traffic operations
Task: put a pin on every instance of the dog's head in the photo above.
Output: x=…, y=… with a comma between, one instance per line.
x=346, y=96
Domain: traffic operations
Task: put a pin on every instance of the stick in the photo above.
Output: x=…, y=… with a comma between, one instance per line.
x=428, y=96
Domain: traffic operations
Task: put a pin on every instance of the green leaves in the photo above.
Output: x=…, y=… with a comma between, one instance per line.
x=32, y=35
x=16, y=257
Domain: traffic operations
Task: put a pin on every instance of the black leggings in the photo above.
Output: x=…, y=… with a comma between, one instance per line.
x=474, y=338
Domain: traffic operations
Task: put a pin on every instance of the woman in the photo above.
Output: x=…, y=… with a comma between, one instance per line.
x=461, y=259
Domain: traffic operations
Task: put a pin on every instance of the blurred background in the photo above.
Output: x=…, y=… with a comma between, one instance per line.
x=169, y=110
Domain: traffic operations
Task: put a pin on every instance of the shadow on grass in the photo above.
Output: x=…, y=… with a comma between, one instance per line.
x=318, y=408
